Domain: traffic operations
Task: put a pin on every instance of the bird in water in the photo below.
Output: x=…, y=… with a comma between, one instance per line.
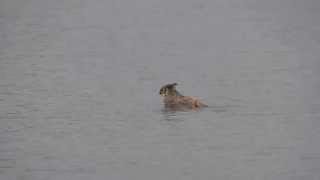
x=176, y=101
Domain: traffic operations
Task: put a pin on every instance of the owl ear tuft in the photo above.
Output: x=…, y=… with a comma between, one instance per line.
x=172, y=85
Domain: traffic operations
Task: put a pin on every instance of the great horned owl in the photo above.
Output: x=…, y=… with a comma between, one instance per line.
x=175, y=100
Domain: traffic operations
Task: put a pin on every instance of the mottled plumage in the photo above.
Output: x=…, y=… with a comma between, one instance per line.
x=175, y=100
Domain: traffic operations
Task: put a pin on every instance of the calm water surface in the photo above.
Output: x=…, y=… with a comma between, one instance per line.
x=79, y=84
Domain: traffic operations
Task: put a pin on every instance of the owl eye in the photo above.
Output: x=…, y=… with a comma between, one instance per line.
x=162, y=91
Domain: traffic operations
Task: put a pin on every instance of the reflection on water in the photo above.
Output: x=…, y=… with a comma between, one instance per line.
x=79, y=89
x=170, y=114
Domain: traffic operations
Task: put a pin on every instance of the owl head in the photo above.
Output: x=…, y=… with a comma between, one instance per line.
x=169, y=90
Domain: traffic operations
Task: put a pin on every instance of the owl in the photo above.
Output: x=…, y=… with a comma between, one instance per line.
x=173, y=99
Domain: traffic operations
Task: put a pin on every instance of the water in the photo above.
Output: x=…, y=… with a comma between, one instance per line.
x=79, y=84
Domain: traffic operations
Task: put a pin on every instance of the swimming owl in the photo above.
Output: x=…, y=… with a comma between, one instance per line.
x=175, y=100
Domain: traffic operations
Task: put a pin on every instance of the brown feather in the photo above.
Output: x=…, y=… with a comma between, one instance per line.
x=173, y=99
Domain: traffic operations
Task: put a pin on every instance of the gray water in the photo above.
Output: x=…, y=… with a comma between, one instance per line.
x=79, y=83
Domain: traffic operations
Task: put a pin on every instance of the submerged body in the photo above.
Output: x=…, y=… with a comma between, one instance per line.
x=175, y=100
